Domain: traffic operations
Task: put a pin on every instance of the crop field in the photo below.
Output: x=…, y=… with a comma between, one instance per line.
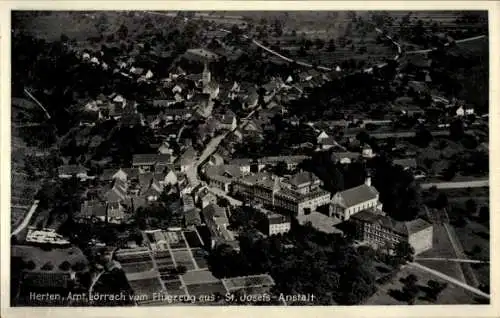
x=137, y=267
x=183, y=257
x=199, y=257
x=206, y=289
x=146, y=286
x=192, y=238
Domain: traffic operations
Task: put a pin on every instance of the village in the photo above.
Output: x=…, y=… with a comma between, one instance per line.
x=192, y=185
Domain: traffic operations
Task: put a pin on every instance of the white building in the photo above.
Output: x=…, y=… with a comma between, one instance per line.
x=346, y=203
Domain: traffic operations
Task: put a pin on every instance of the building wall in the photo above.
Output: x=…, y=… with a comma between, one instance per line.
x=279, y=228
x=345, y=214
x=422, y=240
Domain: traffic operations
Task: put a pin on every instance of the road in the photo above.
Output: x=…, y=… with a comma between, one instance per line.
x=457, y=184
x=447, y=44
x=450, y=279
x=27, y=218
x=458, y=260
x=27, y=92
x=218, y=192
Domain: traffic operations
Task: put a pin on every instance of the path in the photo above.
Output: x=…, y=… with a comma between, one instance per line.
x=27, y=218
x=459, y=251
x=447, y=44
x=27, y=92
x=458, y=260
x=450, y=279
x=457, y=184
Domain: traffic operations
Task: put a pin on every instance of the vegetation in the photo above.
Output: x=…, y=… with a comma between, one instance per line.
x=322, y=264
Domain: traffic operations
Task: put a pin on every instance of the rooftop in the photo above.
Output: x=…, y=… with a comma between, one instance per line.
x=356, y=195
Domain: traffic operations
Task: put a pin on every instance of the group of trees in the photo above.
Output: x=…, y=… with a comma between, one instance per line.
x=322, y=264
x=411, y=290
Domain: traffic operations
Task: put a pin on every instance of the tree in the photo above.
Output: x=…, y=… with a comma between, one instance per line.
x=122, y=32
x=181, y=269
x=457, y=131
x=404, y=252
x=434, y=289
x=410, y=288
x=30, y=265
x=281, y=168
x=78, y=266
x=441, y=201
x=471, y=206
x=423, y=137
x=47, y=266
x=65, y=266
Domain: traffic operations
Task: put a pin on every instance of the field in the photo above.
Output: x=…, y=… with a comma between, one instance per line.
x=199, y=257
x=475, y=239
x=442, y=248
x=193, y=239
x=206, y=289
x=183, y=258
x=451, y=295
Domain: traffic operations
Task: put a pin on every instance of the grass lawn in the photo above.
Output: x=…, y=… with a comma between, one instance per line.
x=476, y=236
x=451, y=295
x=442, y=248
x=55, y=255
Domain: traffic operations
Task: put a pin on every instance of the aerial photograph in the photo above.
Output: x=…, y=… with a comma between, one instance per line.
x=256, y=158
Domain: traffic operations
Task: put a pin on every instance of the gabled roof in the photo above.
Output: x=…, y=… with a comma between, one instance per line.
x=402, y=228
x=71, y=169
x=302, y=178
x=92, y=208
x=151, y=159
x=356, y=195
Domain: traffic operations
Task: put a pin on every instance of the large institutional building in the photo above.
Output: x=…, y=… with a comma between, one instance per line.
x=380, y=230
x=299, y=194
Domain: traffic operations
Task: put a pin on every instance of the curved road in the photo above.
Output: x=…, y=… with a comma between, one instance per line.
x=458, y=260
x=447, y=44
x=27, y=218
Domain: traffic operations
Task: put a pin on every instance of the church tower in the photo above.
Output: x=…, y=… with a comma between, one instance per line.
x=206, y=75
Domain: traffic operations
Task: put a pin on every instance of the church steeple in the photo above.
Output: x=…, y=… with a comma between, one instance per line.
x=206, y=74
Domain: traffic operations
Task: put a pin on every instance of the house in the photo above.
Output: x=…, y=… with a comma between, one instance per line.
x=163, y=103
x=344, y=157
x=192, y=217
x=303, y=182
x=323, y=135
x=327, y=143
x=174, y=114
x=464, y=110
x=346, y=203
x=70, y=171
x=165, y=149
x=96, y=210
x=216, y=160
x=206, y=198
x=277, y=224
x=217, y=222
x=153, y=191
x=382, y=231
x=117, y=193
x=367, y=152
x=186, y=159
x=221, y=176
x=228, y=121
x=407, y=163
x=243, y=163
x=44, y=280
x=151, y=162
